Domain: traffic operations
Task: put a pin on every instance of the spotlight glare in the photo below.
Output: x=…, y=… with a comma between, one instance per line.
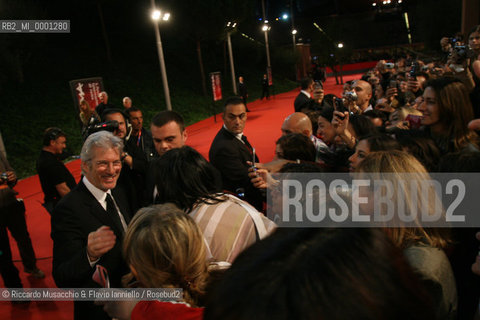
x=156, y=14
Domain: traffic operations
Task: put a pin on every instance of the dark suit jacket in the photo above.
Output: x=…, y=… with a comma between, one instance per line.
x=101, y=107
x=75, y=216
x=300, y=101
x=242, y=89
x=229, y=156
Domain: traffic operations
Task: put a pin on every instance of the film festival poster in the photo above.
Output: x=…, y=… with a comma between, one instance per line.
x=86, y=89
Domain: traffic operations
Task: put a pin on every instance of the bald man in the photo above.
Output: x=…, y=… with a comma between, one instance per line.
x=299, y=122
x=127, y=103
x=364, y=94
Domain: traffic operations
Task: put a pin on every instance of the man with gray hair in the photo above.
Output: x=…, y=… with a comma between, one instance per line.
x=89, y=223
x=127, y=103
x=103, y=105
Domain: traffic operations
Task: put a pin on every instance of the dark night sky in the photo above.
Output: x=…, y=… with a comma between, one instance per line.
x=129, y=26
x=131, y=17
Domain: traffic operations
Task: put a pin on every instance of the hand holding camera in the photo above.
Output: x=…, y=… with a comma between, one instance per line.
x=392, y=90
x=8, y=177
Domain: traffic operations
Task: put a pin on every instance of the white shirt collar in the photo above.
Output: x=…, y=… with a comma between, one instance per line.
x=306, y=93
x=99, y=194
x=238, y=136
x=368, y=108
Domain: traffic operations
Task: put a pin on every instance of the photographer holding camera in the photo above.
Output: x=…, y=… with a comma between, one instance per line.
x=358, y=100
x=55, y=179
x=459, y=60
x=132, y=177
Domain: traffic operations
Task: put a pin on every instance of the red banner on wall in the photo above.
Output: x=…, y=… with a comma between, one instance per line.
x=216, y=85
x=86, y=89
x=269, y=75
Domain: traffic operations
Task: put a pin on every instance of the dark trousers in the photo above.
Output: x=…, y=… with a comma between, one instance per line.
x=8, y=271
x=49, y=206
x=13, y=218
x=265, y=92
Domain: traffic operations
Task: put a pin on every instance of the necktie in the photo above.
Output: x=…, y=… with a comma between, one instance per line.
x=113, y=213
x=247, y=144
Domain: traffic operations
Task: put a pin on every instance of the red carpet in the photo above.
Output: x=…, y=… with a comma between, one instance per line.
x=263, y=129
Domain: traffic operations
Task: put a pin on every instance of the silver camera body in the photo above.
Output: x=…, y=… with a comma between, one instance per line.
x=351, y=95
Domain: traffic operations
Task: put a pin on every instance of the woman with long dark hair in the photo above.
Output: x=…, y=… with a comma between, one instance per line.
x=447, y=110
x=184, y=177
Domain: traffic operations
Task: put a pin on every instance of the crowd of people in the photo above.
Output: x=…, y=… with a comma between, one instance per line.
x=156, y=214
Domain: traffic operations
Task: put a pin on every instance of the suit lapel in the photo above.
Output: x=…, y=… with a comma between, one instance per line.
x=120, y=199
x=97, y=210
x=243, y=148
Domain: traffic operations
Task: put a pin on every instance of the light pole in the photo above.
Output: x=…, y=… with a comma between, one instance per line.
x=231, y=26
x=340, y=58
x=266, y=28
x=156, y=16
x=294, y=32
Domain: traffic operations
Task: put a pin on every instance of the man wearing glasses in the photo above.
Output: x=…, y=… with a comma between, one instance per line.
x=89, y=223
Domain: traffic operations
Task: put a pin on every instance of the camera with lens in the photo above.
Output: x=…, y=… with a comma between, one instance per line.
x=110, y=125
x=350, y=95
x=459, y=51
x=389, y=65
x=414, y=69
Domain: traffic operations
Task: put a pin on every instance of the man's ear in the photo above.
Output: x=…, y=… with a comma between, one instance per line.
x=185, y=135
x=84, y=165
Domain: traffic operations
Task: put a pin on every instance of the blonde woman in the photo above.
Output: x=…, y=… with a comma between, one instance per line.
x=423, y=247
x=86, y=113
x=164, y=248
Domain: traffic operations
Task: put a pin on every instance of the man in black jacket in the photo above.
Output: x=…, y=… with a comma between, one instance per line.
x=230, y=151
x=103, y=105
x=140, y=137
x=89, y=223
x=305, y=95
x=242, y=91
x=132, y=179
